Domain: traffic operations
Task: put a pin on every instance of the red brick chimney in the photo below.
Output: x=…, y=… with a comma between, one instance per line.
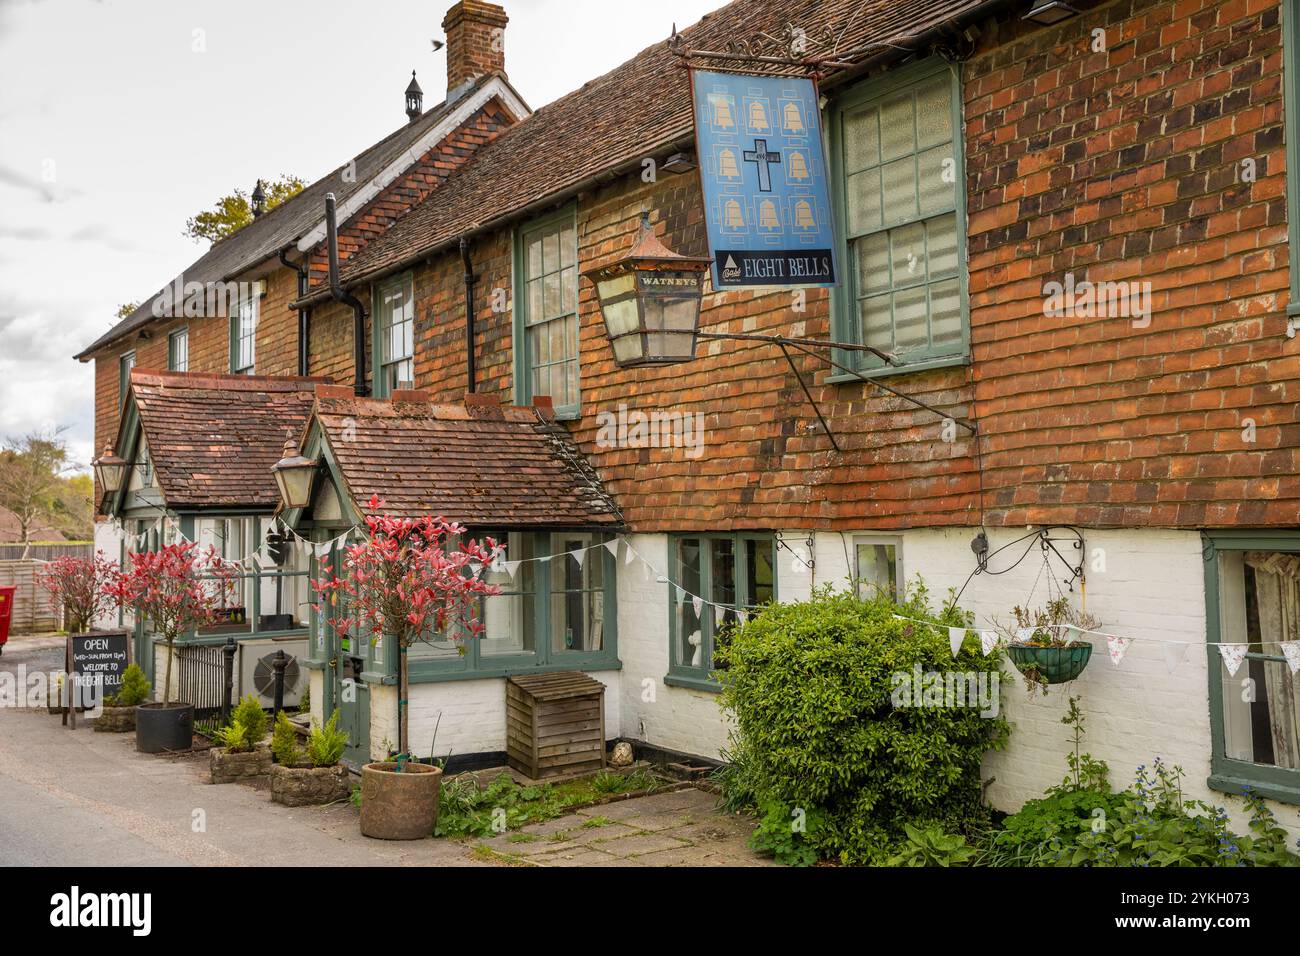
x=475, y=40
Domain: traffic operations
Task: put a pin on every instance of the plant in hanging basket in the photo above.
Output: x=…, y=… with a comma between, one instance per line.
x=1044, y=644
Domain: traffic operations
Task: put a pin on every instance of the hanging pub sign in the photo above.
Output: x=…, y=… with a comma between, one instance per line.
x=767, y=204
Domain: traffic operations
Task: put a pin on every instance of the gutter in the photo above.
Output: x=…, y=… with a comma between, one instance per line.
x=339, y=295
x=470, y=280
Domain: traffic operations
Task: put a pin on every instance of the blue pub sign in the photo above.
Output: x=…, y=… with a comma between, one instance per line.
x=763, y=170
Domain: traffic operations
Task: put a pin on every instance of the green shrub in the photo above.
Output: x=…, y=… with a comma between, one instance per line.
x=325, y=744
x=284, y=742
x=932, y=847
x=247, y=726
x=810, y=685
x=134, y=689
x=787, y=833
x=304, y=702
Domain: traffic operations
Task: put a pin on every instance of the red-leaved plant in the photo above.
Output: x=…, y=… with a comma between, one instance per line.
x=81, y=587
x=177, y=588
x=410, y=579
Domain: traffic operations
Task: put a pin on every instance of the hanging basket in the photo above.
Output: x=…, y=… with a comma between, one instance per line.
x=1050, y=665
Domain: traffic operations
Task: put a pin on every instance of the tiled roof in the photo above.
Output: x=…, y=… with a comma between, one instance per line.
x=479, y=464
x=276, y=229
x=617, y=119
x=214, y=438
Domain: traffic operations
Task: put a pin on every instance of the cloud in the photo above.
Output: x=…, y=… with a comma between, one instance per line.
x=46, y=192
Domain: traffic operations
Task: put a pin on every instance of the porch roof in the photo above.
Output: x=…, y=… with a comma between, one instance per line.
x=481, y=463
x=214, y=438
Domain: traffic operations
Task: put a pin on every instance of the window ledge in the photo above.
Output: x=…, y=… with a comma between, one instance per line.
x=693, y=683
x=842, y=378
x=1282, y=793
x=493, y=673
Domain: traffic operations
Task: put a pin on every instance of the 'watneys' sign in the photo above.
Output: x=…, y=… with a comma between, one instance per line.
x=764, y=174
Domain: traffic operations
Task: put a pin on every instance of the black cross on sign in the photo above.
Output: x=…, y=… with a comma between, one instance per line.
x=761, y=158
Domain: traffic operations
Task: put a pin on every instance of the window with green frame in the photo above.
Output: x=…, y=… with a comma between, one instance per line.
x=394, y=309
x=178, y=351
x=125, y=363
x=897, y=175
x=1252, y=584
x=546, y=312
x=553, y=611
x=1291, y=109
x=243, y=336
x=729, y=573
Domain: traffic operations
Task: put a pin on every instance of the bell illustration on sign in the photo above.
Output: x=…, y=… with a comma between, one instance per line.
x=767, y=205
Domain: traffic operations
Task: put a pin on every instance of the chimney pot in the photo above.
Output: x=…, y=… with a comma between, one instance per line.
x=475, y=41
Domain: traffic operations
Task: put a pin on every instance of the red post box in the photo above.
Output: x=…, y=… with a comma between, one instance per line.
x=6, y=613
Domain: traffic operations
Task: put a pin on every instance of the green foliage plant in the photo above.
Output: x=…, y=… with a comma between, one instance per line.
x=284, y=742
x=325, y=744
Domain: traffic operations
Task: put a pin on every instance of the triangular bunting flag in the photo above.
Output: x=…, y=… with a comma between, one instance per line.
x=719, y=613
x=1233, y=655
x=1291, y=650
x=988, y=641
x=956, y=635
x=743, y=615
x=1024, y=633
x=580, y=555
x=510, y=567
x=1117, y=647
x=698, y=604
x=628, y=555
x=612, y=546
x=1174, y=653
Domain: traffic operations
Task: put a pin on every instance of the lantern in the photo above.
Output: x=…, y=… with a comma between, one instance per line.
x=110, y=470
x=650, y=299
x=294, y=474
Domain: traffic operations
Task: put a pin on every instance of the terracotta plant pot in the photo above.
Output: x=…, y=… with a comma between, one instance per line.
x=399, y=806
x=162, y=727
x=227, y=767
x=309, y=786
x=115, y=720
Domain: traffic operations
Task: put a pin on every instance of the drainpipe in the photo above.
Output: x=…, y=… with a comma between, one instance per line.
x=304, y=313
x=339, y=295
x=470, y=279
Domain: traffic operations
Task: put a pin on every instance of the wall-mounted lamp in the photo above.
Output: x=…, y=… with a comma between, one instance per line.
x=679, y=163
x=294, y=474
x=110, y=470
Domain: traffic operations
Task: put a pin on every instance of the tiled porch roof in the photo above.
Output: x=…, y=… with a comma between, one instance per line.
x=479, y=463
x=214, y=438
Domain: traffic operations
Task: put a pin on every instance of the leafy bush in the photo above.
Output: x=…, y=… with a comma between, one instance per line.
x=932, y=847
x=788, y=834
x=134, y=689
x=247, y=726
x=809, y=685
x=325, y=744
x=284, y=742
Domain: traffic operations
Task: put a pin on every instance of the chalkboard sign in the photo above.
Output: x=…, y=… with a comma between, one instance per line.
x=103, y=654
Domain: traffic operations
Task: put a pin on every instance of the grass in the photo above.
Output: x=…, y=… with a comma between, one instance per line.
x=469, y=808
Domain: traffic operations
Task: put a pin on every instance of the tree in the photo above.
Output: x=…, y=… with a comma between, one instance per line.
x=82, y=587
x=235, y=211
x=176, y=589
x=32, y=470
x=74, y=507
x=405, y=582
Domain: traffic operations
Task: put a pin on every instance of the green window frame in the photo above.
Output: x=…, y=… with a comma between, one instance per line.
x=734, y=569
x=1291, y=114
x=898, y=186
x=125, y=362
x=539, y=601
x=243, y=336
x=1234, y=720
x=393, y=305
x=546, y=321
x=178, y=350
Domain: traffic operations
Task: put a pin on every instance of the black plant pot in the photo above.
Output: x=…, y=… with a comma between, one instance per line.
x=162, y=727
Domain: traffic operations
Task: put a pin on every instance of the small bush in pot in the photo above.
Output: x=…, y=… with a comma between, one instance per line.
x=317, y=779
x=408, y=579
x=240, y=754
x=119, y=710
x=176, y=589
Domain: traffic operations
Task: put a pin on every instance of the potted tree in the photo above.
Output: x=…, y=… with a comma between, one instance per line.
x=176, y=589
x=1043, y=644
x=83, y=590
x=239, y=754
x=405, y=582
x=118, y=714
x=306, y=778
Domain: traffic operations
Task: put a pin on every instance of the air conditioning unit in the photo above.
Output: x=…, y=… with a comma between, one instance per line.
x=257, y=676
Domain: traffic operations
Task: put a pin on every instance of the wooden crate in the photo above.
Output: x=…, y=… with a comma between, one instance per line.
x=555, y=724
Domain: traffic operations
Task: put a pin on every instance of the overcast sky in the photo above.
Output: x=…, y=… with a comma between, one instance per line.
x=119, y=119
